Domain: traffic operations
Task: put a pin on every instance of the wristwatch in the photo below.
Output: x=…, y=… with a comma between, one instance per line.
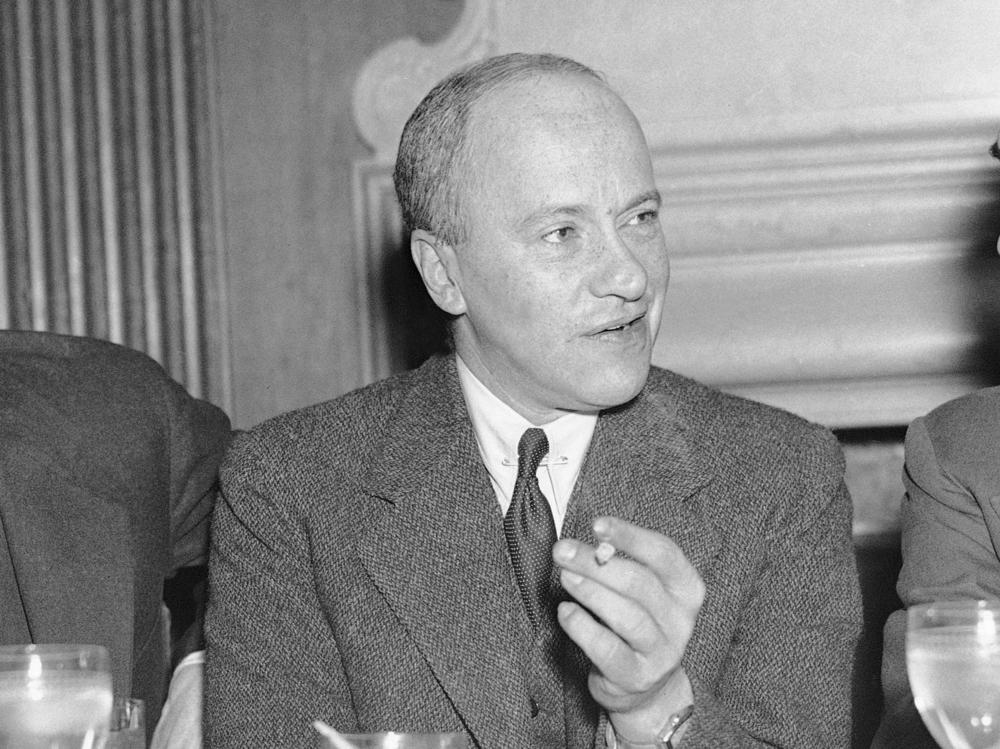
x=664, y=739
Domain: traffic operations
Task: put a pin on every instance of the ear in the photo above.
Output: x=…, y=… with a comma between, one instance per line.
x=438, y=267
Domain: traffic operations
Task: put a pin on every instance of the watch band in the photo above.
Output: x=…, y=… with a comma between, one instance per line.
x=673, y=724
x=664, y=739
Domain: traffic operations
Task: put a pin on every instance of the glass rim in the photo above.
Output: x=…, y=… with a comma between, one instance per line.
x=55, y=656
x=958, y=604
x=51, y=648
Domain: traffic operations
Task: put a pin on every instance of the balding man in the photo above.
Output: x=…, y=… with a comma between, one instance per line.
x=389, y=560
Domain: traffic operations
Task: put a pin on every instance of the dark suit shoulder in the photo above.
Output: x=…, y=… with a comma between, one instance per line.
x=332, y=435
x=740, y=424
x=83, y=361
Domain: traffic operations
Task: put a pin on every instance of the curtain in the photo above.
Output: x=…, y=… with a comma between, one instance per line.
x=110, y=207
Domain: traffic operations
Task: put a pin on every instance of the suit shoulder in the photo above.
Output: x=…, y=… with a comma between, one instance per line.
x=75, y=354
x=746, y=424
x=720, y=407
x=961, y=434
x=972, y=419
x=348, y=420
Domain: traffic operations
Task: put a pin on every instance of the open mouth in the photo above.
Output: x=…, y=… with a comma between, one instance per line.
x=623, y=326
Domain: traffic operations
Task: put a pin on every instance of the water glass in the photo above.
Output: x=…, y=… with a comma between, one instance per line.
x=128, y=724
x=953, y=662
x=54, y=696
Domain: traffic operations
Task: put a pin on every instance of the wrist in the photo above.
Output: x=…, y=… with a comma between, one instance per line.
x=668, y=737
x=644, y=725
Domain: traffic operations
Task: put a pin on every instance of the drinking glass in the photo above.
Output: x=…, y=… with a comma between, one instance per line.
x=953, y=661
x=54, y=696
x=128, y=724
x=392, y=740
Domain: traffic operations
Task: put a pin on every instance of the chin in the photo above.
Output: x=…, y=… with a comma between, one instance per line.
x=618, y=390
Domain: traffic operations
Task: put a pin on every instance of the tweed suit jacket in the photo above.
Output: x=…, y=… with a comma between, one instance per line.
x=950, y=520
x=359, y=572
x=108, y=473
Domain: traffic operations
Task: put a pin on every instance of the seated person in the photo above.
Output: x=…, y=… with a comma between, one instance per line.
x=950, y=534
x=108, y=475
x=384, y=561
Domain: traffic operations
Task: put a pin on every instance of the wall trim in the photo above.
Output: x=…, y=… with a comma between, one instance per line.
x=838, y=264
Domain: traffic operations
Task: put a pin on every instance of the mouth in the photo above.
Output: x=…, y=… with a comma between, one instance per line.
x=623, y=325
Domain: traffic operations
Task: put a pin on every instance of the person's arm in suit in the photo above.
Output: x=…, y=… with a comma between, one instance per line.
x=787, y=679
x=199, y=434
x=272, y=666
x=947, y=539
x=788, y=675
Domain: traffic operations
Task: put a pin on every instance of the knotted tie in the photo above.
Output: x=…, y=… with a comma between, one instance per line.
x=529, y=528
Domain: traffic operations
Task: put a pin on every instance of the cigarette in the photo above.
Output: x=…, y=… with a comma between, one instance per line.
x=604, y=552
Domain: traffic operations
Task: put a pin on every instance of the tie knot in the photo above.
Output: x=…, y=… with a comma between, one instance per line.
x=531, y=448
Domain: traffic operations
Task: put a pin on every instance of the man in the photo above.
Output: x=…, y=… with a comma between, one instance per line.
x=950, y=534
x=108, y=473
x=374, y=558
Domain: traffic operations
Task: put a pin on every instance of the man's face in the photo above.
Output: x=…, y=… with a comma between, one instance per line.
x=563, y=272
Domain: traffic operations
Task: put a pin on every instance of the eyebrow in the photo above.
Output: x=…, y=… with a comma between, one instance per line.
x=555, y=209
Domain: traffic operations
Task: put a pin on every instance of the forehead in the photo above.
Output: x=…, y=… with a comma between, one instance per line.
x=564, y=135
x=545, y=100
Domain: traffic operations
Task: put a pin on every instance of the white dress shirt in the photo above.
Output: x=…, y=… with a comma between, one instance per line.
x=498, y=429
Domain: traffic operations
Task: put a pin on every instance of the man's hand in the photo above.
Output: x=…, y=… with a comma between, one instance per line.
x=633, y=619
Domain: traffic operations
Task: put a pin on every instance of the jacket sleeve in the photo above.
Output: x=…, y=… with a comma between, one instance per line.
x=198, y=436
x=786, y=680
x=272, y=665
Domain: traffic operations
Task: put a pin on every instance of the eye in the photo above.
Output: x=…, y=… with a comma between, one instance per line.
x=645, y=217
x=559, y=235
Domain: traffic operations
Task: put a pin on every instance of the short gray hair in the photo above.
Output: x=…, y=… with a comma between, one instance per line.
x=434, y=138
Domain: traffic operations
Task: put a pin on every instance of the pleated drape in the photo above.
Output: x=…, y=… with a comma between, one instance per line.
x=110, y=217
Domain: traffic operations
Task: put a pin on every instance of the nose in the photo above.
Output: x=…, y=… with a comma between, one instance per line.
x=621, y=271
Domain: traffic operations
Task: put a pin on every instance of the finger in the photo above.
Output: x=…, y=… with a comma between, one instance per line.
x=653, y=550
x=606, y=651
x=617, y=591
x=631, y=621
x=627, y=577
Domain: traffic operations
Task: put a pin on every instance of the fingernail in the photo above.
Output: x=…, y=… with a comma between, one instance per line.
x=602, y=527
x=565, y=552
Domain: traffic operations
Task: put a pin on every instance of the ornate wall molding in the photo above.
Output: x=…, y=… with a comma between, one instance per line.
x=395, y=79
x=388, y=88
x=846, y=273
x=839, y=262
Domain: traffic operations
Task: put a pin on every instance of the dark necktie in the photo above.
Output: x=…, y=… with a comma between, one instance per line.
x=529, y=528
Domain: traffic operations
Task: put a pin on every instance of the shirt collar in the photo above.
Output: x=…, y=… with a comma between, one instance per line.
x=498, y=427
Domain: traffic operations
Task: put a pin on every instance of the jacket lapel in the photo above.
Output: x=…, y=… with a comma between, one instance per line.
x=439, y=558
x=642, y=467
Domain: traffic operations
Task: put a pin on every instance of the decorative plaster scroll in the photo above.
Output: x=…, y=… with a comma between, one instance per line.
x=392, y=82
